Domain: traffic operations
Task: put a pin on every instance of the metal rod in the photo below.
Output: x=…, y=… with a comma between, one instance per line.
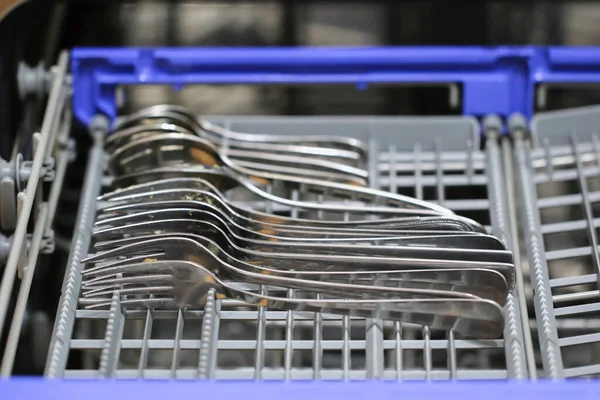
x=209, y=336
x=317, y=345
x=452, y=355
x=514, y=349
x=63, y=326
x=111, y=348
x=288, y=352
x=548, y=335
x=398, y=349
x=427, y=352
x=510, y=196
x=374, y=328
x=261, y=326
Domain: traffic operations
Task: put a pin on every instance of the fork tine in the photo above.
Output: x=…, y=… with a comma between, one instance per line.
x=102, y=264
x=117, y=280
x=126, y=250
x=137, y=224
x=132, y=290
x=147, y=267
x=114, y=243
x=123, y=193
x=120, y=219
x=110, y=232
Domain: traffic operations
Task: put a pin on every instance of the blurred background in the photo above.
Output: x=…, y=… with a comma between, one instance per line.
x=64, y=24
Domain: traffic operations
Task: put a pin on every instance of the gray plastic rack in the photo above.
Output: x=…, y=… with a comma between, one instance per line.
x=438, y=159
x=559, y=186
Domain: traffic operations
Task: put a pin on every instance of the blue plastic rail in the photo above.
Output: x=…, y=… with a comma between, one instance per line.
x=568, y=65
x=497, y=80
x=24, y=389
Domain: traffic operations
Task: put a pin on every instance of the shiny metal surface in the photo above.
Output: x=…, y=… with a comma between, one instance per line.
x=197, y=192
x=168, y=233
x=358, y=200
x=306, y=258
x=165, y=149
x=190, y=283
x=332, y=147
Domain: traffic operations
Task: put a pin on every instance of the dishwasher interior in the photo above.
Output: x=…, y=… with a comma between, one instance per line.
x=531, y=178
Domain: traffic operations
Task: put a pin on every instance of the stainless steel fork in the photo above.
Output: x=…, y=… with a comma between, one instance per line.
x=296, y=255
x=190, y=284
x=352, y=199
x=335, y=147
x=164, y=149
x=161, y=187
x=490, y=284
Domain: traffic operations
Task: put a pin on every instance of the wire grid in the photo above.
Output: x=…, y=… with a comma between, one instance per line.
x=561, y=182
x=228, y=340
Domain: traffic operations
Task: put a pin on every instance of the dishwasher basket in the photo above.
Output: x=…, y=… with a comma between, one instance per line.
x=527, y=190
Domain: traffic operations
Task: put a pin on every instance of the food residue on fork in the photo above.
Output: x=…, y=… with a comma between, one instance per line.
x=150, y=260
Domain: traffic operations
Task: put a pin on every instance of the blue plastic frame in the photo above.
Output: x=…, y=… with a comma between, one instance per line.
x=495, y=80
x=127, y=390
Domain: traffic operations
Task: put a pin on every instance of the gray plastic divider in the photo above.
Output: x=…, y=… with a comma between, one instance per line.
x=559, y=176
x=557, y=126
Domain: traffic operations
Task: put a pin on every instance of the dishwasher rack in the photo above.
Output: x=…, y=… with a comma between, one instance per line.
x=227, y=341
x=528, y=190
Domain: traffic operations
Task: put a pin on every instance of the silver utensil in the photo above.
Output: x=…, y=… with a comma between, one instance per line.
x=200, y=199
x=123, y=136
x=171, y=232
x=174, y=187
x=336, y=255
x=358, y=200
x=278, y=233
x=491, y=284
x=258, y=156
x=332, y=147
x=167, y=149
x=192, y=282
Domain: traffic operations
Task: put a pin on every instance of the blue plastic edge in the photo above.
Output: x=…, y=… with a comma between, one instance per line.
x=495, y=80
x=33, y=388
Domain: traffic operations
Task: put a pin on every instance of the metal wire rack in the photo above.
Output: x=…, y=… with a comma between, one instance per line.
x=229, y=341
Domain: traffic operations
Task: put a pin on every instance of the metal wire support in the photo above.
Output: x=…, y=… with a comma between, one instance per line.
x=63, y=327
x=27, y=199
x=374, y=328
x=507, y=157
x=513, y=336
x=547, y=331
